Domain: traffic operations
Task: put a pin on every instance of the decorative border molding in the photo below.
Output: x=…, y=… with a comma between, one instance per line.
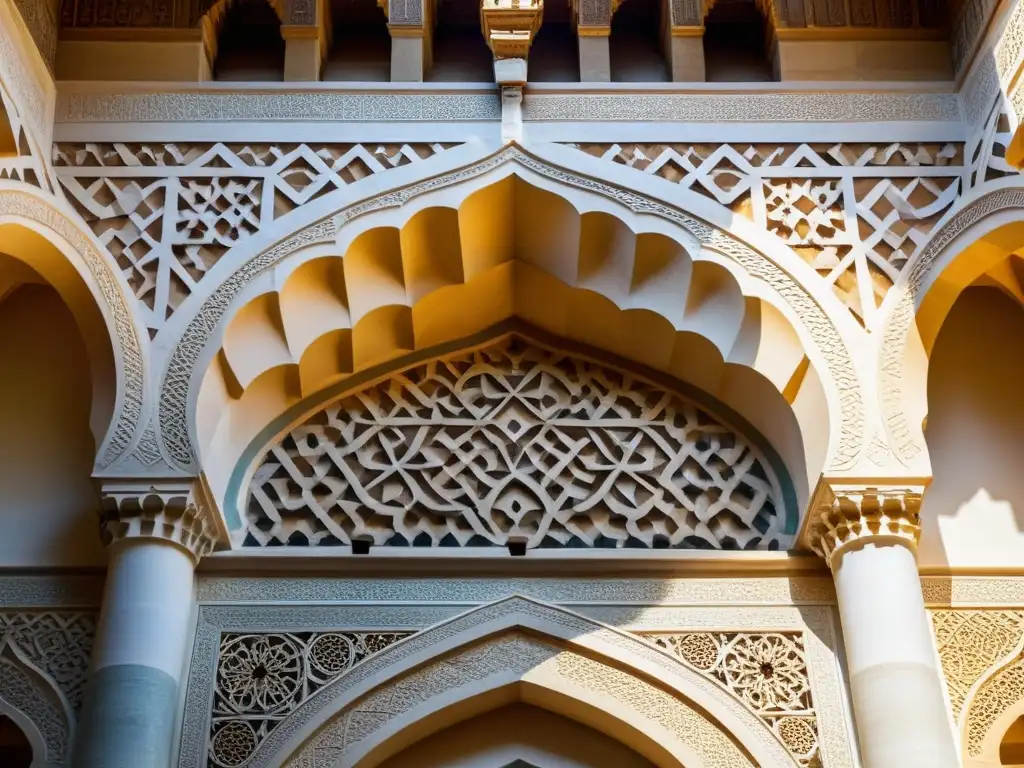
x=801, y=590
x=973, y=591
x=744, y=107
x=322, y=105
x=239, y=106
x=51, y=591
x=174, y=393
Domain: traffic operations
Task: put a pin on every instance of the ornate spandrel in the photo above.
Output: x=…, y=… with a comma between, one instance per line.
x=515, y=443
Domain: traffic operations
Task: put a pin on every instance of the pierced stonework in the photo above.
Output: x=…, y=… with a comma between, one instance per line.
x=515, y=442
x=262, y=678
x=17, y=161
x=168, y=212
x=855, y=212
x=768, y=672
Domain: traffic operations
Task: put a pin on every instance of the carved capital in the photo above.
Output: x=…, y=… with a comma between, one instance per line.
x=845, y=514
x=510, y=26
x=177, y=512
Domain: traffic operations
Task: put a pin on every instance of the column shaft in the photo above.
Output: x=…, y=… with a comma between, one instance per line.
x=895, y=683
x=128, y=716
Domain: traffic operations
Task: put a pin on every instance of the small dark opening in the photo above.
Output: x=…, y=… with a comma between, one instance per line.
x=259, y=672
x=15, y=751
x=767, y=671
x=361, y=49
x=734, y=44
x=554, y=54
x=460, y=51
x=360, y=547
x=635, y=46
x=250, y=47
x=517, y=548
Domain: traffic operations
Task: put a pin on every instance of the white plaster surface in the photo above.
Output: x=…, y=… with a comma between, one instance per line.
x=146, y=607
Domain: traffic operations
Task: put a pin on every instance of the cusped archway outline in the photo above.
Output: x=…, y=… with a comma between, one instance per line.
x=825, y=343
x=27, y=207
x=657, y=706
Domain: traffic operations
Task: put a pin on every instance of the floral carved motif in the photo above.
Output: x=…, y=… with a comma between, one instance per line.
x=168, y=212
x=262, y=678
x=768, y=672
x=514, y=442
x=854, y=212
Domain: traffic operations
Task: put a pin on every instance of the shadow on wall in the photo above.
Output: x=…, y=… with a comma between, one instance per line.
x=973, y=513
x=47, y=500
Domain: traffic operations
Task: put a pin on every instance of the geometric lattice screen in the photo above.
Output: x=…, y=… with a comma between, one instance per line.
x=515, y=442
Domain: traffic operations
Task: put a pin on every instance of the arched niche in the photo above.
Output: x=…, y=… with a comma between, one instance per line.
x=973, y=512
x=512, y=245
x=975, y=249
x=40, y=245
x=518, y=650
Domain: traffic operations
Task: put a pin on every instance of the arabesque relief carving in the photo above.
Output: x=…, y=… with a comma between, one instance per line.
x=767, y=672
x=262, y=678
x=515, y=442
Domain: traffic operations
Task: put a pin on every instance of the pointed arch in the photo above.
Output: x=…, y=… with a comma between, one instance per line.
x=518, y=648
x=34, y=231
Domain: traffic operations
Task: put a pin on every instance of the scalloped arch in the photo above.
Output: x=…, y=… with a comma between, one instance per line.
x=568, y=663
x=34, y=230
x=440, y=275
x=828, y=367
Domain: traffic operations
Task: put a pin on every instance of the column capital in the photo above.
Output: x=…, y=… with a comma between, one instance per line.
x=177, y=512
x=844, y=514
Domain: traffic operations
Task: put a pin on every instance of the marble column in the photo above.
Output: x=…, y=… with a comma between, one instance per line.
x=128, y=716
x=869, y=538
